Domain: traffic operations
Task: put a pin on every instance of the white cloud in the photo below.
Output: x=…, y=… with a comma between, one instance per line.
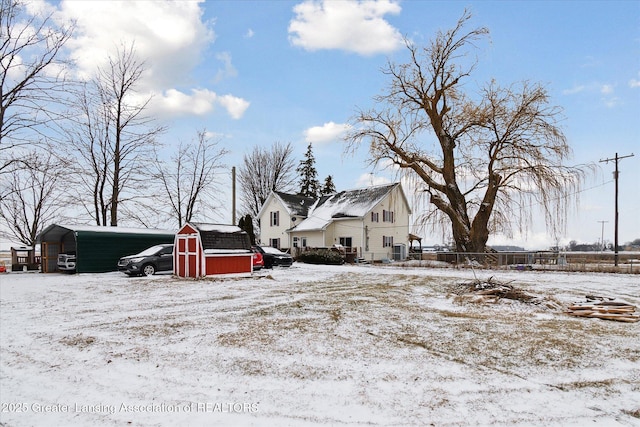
x=235, y=106
x=611, y=102
x=574, y=90
x=168, y=36
x=328, y=132
x=249, y=34
x=228, y=69
x=175, y=102
x=606, y=89
x=634, y=83
x=369, y=180
x=354, y=26
x=39, y=8
x=199, y=102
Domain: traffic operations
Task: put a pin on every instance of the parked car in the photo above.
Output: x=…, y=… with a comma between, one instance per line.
x=258, y=259
x=67, y=261
x=274, y=257
x=148, y=262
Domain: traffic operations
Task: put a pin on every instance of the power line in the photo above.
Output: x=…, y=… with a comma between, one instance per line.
x=615, y=177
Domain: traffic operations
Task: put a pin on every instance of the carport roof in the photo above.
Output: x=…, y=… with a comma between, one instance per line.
x=55, y=231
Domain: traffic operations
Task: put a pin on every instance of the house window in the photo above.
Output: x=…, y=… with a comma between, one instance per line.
x=346, y=241
x=387, y=216
x=387, y=241
x=275, y=218
x=375, y=217
x=299, y=242
x=274, y=243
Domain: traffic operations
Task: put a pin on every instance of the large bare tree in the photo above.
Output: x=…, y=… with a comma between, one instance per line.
x=265, y=170
x=112, y=138
x=187, y=182
x=33, y=196
x=483, y=159
x=32, y=72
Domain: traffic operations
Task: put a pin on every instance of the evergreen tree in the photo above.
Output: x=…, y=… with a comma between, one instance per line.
x=309, y=184
x=328, y=187
x=246, y=224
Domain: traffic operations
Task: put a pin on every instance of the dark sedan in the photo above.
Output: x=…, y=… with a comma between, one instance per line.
x=274, y=257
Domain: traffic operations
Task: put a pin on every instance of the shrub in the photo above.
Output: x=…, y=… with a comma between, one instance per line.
x=321, y=257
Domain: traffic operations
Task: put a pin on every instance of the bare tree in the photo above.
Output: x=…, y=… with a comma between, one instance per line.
x=483, y=162
x=32, y=74
x=265, y=170
x=112, y=138
x=187, y=182
x=33, y=197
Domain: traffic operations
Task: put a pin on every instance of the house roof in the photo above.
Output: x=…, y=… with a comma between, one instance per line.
x=295, y=204
x=345, y=204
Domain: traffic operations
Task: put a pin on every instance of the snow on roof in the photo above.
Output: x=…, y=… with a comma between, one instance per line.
x=221, y=228
x=109, y=229
x=345, y=204
x=295, y=204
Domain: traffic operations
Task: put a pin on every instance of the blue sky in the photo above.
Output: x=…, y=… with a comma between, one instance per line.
x=257, y=72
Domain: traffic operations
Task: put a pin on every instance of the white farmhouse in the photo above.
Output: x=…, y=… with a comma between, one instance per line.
x=372, y=223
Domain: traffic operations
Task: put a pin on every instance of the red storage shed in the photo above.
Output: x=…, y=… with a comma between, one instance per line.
x=209, y=249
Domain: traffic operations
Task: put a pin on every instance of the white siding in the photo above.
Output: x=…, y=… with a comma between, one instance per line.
x=376, y=231
x=314, y=239
x=269, y=231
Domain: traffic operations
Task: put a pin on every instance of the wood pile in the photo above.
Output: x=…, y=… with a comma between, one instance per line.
x=604, y=308
x=491, y=290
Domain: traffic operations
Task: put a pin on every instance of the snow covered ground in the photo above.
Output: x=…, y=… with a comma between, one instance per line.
x=314, y=346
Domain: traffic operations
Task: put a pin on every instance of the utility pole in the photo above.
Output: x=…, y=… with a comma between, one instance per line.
x=233, y=195
x=615, y=177
x=602, y=235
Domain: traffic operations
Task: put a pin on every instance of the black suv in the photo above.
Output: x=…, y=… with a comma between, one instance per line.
x=147, y=262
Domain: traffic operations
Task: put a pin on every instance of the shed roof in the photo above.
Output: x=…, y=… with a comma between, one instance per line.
x=221, y=236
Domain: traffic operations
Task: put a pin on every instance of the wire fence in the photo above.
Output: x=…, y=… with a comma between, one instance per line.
x=603, y=262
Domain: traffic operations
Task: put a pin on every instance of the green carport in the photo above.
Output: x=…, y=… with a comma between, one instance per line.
x=97, y=249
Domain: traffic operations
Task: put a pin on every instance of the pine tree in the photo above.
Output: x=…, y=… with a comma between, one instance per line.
x=309, y=184
x=246, y=224
x=328, y=187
